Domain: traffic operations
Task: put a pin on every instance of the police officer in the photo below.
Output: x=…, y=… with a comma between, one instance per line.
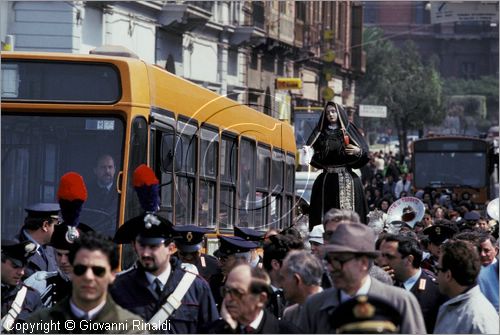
x=403, y=255
x=157, y=288
x=18, y=300
x=255, y=236
x=56, y=285
x=437, y=235
x=365, y=314
x=38, y=228
x=233, y=250
x=189, y=242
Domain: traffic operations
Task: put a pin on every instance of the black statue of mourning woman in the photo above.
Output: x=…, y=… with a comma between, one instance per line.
x=338, y=147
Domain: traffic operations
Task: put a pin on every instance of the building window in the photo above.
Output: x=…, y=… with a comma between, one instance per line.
x=300, y=10
x=254, y=60
x=370, y=11
x=282, y=7
x=232, y=62
x=468, y=70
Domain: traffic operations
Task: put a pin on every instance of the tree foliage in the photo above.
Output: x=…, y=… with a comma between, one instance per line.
x=486, y=86
x=398, y=79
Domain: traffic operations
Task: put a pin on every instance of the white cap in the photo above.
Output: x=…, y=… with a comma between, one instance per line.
x=316, y=234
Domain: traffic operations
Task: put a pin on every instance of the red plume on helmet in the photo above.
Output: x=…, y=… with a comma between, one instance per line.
x=147, y=187
x=72, y=193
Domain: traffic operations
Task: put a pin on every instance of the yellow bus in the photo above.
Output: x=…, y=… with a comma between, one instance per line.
x=220, y=163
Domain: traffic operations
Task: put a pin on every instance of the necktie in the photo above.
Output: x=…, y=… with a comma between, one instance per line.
x=158, y=288
x=41, y=249
x=86, y=316
x=249, y=330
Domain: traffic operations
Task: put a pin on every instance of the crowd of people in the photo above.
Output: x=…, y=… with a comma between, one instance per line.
x=439, y=275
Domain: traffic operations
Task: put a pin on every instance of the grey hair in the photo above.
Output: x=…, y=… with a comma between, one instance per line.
x=337, y=215
x=306, y=265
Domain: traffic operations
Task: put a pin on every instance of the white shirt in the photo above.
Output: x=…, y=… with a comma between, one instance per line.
x=163, y=277
x=256, y=323
x=363, y=290
x=408, y=284
x=80, y=314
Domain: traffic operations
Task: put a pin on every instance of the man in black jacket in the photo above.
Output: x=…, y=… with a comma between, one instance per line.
x=245, y=297
x=147, y=286
x=404, y=255
x=14, y=258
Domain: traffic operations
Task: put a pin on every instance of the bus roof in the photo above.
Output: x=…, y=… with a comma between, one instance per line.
x=173, y=93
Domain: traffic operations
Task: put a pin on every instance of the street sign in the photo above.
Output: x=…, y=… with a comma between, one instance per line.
x=448, y=12
x=372, y=111
x=288, y=83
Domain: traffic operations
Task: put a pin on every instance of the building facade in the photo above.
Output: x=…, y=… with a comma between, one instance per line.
x=236, y=48
x=467, y=49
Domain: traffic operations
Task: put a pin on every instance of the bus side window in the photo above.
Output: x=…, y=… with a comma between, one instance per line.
x=289, y=189
x=167, y=160
x=246, y=193
x=209, y=158
x=277, y=188
x=185, y=186
x=262, y=186
x=228, y=173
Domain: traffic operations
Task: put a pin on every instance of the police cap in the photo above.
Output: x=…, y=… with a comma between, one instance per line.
x=189, y=237
x=148, y=229
x=60, y=239
x=366, y=315
x=472, y=216
x=229, y=245
x=43, y=210
x=248, y=234
x=439, y=233
x=18, y=252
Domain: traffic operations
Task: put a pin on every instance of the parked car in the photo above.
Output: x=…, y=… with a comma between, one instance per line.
x=304, y=181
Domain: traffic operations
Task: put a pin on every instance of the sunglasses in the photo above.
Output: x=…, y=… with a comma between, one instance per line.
x=98, y=271
x=338, y=261
x=234, y=292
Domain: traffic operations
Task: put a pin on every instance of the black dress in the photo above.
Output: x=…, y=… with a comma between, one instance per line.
x=338, y=186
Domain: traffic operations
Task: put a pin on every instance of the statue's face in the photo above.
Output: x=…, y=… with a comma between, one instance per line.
x=331, y=114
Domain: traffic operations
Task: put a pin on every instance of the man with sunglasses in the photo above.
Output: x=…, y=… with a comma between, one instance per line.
x=94, y=260
x=38, y=228
x=333, y=218
x=18, y=300
x=349, y=253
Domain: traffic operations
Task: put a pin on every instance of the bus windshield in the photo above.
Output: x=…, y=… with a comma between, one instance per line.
x=37, y=150
x=450, y=169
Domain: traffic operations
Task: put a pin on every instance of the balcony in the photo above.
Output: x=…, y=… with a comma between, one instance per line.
x=185, y=16
x=247, y=35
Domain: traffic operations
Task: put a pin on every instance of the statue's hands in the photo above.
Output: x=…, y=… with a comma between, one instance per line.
x=351, y=149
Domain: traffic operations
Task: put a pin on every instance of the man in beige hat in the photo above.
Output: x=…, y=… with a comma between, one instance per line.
x=349, y=252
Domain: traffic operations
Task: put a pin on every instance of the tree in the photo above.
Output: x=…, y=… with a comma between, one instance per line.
x=398, y=79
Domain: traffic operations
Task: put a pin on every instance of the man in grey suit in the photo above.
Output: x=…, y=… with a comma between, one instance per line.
x=349, y=253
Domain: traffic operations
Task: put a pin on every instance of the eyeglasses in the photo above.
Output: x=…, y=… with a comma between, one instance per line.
x=234, y=292
x=98, y=271
x=337, y=260
x=440, y=269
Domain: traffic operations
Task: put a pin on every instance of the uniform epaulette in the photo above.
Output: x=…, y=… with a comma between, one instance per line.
x=133, y=267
